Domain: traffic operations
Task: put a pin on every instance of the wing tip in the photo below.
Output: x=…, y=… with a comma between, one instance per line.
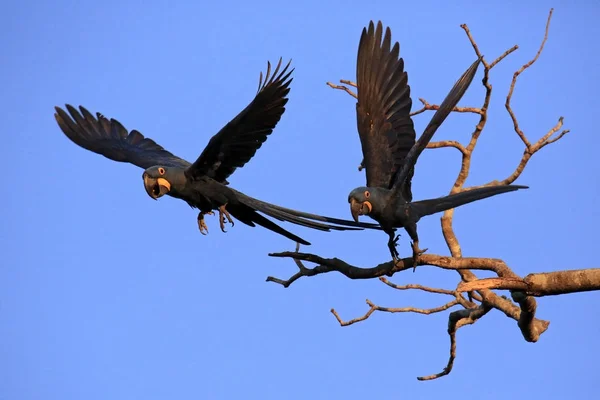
x=281, y=79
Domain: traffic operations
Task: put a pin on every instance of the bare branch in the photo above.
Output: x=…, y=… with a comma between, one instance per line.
x=447, y=143
x=342, y=87
x=514, y=81
x=417, y=287
x=528, y=305
x=389, y=268
x=347, y=82
x=563, y=133
x=374, y=307
x=435, y=107
x=492, y=283
x=545, y=140
x=355, y=320
x=459, y=298
x=503, y=56
x=530, y=332
x=456, y=320
x=475, y=47
x=531, y=150
x=326, y=265
x=542, y=284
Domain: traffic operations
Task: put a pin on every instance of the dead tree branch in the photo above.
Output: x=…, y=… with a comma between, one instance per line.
x=447, y=143
x=456, y=320
x=326, y=265
x=342, y=87
x=539, y=285
x=374, y=307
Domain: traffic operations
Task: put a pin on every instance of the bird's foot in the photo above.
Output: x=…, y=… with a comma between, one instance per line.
x=417, y=252
x=393, y=249
x=394, y=252
x=223, y=213
x=202, y=224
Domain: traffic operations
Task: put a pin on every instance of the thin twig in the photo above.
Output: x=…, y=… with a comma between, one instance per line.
x=417, y=287
x=435, y=107
x=447, y=143
x=503, y=56
x=514, y=81
x=374, y=307
x=342, y=87
x=456, y=294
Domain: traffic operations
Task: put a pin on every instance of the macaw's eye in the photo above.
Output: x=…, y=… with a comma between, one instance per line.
x=367, y=194
x=161, y=171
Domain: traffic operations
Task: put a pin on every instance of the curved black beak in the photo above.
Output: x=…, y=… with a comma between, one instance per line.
x=358, y=208
x=355, y=208
x=156, y=187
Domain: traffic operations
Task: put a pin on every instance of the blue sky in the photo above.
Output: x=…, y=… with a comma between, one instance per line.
x=106, y=294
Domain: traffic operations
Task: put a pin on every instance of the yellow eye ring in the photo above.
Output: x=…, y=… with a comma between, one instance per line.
x=161, y=170
x=367, y=194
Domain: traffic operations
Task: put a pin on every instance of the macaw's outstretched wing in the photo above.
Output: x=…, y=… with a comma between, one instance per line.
x=112, y=140
x=237, y=142
x=451, y=100
x=383, y=110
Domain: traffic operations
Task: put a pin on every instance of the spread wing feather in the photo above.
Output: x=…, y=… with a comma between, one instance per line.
x=237, y=142
x=385, y=127
x=110, y=139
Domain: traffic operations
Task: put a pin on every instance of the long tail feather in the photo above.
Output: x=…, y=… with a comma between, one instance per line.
x=432, y=206
x=250, y=217
x=448, y=104
x=303, y=219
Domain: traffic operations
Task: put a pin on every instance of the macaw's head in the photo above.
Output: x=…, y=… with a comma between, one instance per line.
x=361, y=202
x=156, y=181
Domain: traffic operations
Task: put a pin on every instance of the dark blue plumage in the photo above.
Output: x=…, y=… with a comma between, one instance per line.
x=387, y=137
x=203, y=184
